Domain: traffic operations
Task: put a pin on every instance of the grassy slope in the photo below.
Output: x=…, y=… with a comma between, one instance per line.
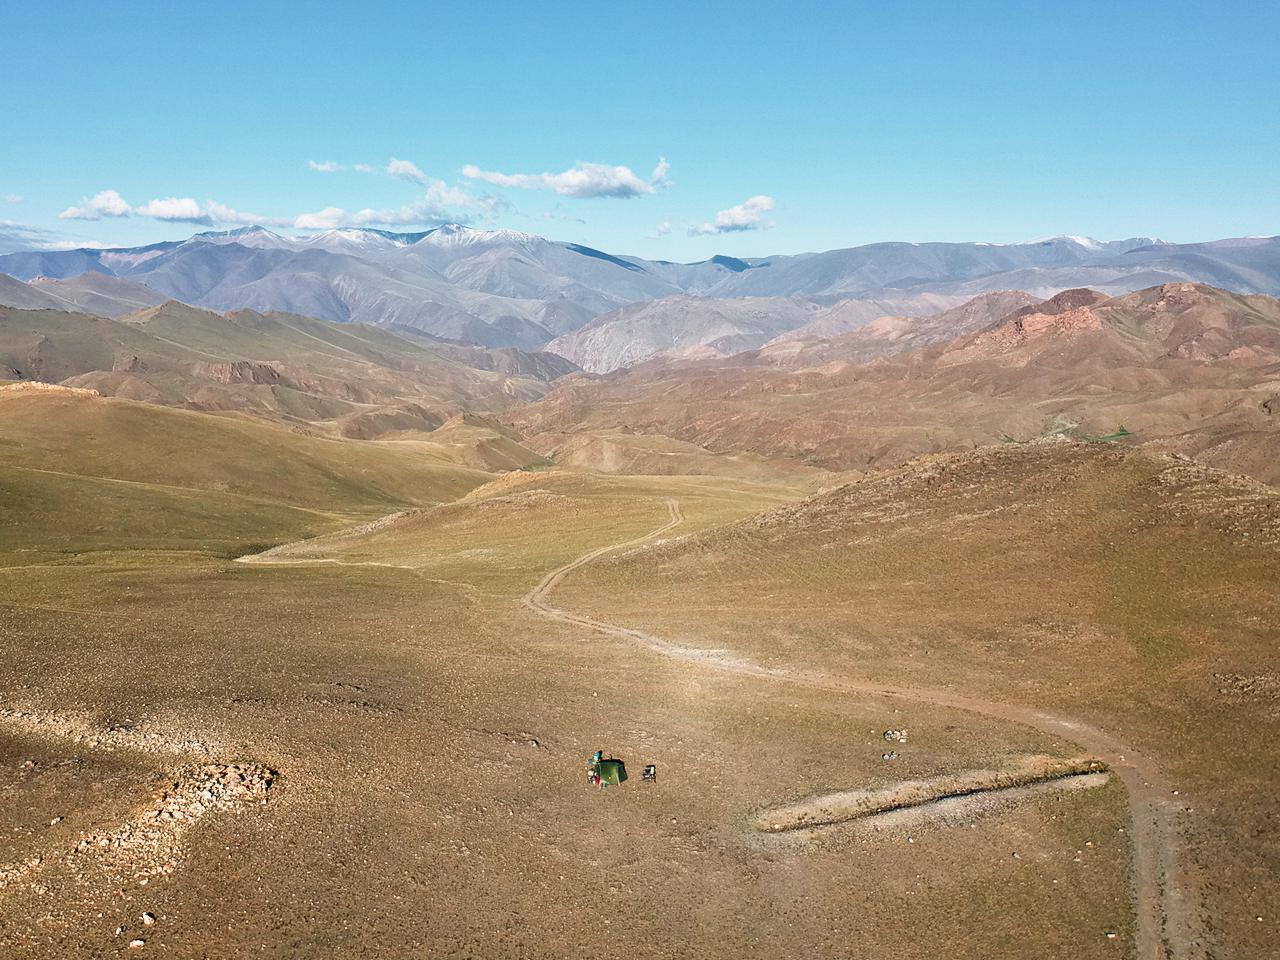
x=431, y=737
x=395, y=700
x=45, y=515
x=623, y=452
x=133, y=441
x=524, y=524
x=86, y=472
x=1136, y=593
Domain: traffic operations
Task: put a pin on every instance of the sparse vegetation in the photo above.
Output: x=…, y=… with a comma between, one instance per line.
x=186, y=591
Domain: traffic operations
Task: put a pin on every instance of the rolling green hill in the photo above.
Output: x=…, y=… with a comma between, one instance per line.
x=89, y=472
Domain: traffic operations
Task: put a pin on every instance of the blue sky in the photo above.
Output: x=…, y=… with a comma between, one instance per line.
x=784, y=127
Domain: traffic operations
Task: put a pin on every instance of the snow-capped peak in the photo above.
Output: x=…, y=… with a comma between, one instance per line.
x=251, y=236
x=358, y=238
x=1087, y=242
x=457, y=235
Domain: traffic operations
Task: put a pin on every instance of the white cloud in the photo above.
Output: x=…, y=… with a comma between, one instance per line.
x=441, y=193
x=362, y=168
x=175, y=210
x=582, y=180
x=660, y=231
x=221, y=213
x=12, y=198
x=106, y=203
x=411, y=214
x=324, y=166
x=745, y=216
x=405, y=170
x=325, y=219
x=441, y=203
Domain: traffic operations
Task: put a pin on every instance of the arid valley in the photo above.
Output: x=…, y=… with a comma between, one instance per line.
x=338, y=692
x=692, y=482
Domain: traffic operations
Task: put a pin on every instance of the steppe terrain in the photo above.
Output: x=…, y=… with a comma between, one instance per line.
x=310, y=629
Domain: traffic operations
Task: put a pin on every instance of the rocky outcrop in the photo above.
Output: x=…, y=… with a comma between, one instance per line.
x=239, y=371
x=38, y=386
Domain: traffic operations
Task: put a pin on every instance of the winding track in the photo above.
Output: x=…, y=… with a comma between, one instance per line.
x=1167, y=913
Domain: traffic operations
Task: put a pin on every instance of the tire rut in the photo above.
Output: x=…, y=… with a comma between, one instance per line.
x=1167, y=914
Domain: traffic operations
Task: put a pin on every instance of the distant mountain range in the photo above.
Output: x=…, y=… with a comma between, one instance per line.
x=502, y=288
x=680, y=327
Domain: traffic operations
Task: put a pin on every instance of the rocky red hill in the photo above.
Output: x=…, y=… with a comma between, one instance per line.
x=1183, y=367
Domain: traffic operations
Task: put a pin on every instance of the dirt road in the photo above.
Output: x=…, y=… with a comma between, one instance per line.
x=1166, y=908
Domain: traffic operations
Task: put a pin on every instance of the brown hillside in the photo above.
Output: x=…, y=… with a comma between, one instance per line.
x=1136, y=593
x=1184, y=367
x=340, y=379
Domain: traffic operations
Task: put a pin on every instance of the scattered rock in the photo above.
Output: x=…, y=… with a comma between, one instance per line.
x=891, y=755
x=30, y=386
x=114, y=736
x=148, y=918
x=137, y=944
x=151, y=844
x=896, y=736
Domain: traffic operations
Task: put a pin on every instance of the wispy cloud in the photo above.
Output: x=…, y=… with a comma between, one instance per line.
x=326, y=219
x=419, y=213
x=400, y=169
x=441, y=203
x=105, y=203
x=16, y=236
x=748, y=215
x=660, y=231
x=659, y=177
x=584, y=180
x=407, y=170
x=11, y=197
x=223, y=214
x=557, y=213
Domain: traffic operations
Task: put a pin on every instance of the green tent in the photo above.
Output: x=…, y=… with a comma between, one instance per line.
x=612, y=772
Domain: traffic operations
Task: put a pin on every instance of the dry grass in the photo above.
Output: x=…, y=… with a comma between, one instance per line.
x=431, y=736
x=1079, y=579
